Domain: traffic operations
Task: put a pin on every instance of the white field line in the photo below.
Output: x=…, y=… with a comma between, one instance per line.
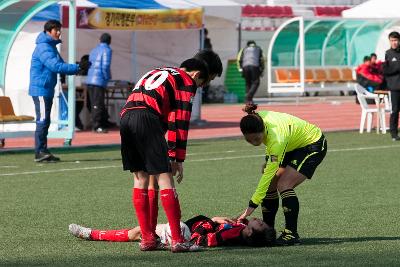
x=194, y=160
x=60, y=170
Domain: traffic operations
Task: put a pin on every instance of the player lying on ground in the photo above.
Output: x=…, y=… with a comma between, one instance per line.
x=201, y=230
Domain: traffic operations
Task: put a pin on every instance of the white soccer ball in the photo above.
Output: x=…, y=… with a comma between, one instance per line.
x=165, y=234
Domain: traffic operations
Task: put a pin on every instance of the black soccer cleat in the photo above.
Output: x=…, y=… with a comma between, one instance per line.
x=288, y=238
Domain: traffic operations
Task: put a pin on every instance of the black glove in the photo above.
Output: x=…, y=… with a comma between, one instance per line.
x=84, y=65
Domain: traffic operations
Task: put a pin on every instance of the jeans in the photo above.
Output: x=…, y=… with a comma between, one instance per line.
x=42, y=110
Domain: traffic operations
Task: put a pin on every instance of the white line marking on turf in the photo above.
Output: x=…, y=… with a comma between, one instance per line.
x=216, y=152
x=60, y=170
x=8, y=167
x=361, y=148
x=194, y=160
x=224, y=158
x=329, y=150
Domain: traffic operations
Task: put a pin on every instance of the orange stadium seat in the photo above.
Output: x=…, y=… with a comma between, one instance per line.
x=294, y=76
x=282, y=75
x=320, y=75
x=347, y=75
x=7, y=112
x=334, y=75
x=309, y=76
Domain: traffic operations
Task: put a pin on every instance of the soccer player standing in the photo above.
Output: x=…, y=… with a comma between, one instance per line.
x=160, y=102
x=294, y=149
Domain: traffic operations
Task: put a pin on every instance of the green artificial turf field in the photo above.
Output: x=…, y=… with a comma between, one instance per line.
x=349, y=211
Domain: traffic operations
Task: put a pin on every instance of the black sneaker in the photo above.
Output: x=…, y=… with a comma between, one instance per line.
x=42, y=156
x=46, y=157
x=52, y=158
x=396, y=138
x=288, y=238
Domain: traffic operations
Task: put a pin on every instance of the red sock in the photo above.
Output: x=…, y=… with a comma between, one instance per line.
x=153, y=205
x=170, y=202
x=140, y=201
x=110, y=235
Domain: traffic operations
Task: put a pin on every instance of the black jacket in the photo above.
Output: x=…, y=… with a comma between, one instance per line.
x=391, y=69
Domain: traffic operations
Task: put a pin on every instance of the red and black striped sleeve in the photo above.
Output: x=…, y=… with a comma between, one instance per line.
x=184, y=88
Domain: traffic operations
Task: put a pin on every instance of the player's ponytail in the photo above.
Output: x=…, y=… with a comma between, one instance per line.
x=252, y=122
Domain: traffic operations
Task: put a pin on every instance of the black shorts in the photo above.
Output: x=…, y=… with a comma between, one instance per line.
x=306, y=159
x=143, y=144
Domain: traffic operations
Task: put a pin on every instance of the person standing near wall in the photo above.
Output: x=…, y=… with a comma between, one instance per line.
x=391, y=71
x=250, y=62
x=46, y=63
x=206, y=46
x=98, y=76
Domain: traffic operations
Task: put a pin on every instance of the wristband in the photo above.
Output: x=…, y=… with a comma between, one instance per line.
x=252, y=205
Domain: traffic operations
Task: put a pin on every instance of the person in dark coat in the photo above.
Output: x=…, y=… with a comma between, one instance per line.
x=250, y=63
x=391, y=71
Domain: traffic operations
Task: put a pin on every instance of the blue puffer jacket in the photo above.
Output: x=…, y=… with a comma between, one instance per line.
x=99, y=72
x=46, y=63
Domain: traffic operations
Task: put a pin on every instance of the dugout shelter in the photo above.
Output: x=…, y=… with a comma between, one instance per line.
x=136, y=47
x=320, y=54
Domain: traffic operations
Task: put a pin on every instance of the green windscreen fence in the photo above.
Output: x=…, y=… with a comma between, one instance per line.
x=327, y=42
x=13, y=16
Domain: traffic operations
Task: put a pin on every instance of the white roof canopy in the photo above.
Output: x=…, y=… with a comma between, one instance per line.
x=382, y=9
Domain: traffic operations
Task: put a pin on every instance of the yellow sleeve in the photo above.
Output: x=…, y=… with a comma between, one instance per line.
x=276, y=153
x=262, y=188
x=262, y=61
x=239, y=60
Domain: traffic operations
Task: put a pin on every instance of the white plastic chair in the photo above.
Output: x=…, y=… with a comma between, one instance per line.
x=367, y=111
x=387, y=107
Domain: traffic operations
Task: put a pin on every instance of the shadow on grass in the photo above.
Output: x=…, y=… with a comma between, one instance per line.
x=153, y=258
x=215, y=124
x=337, y=240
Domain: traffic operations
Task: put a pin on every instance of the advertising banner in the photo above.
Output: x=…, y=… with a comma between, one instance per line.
x=136, y=19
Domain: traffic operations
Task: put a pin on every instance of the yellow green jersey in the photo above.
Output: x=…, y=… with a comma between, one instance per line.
x=283, y=133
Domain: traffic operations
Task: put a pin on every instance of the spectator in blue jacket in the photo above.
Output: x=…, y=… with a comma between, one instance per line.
x=98, y=76
x=45, y=65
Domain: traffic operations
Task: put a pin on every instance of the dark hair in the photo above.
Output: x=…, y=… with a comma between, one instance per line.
x=193, y=64
x=367, y=58
x=251, y=42
x=212, y=59
x=252, y=122
x=262, y=238
x=395, y=35
x=51, y=24
x=205, y=31
x=373, y=55
x=105, y=38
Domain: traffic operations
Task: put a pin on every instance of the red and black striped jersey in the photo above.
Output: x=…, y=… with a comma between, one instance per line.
x=169, y=93
x=207, y=233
